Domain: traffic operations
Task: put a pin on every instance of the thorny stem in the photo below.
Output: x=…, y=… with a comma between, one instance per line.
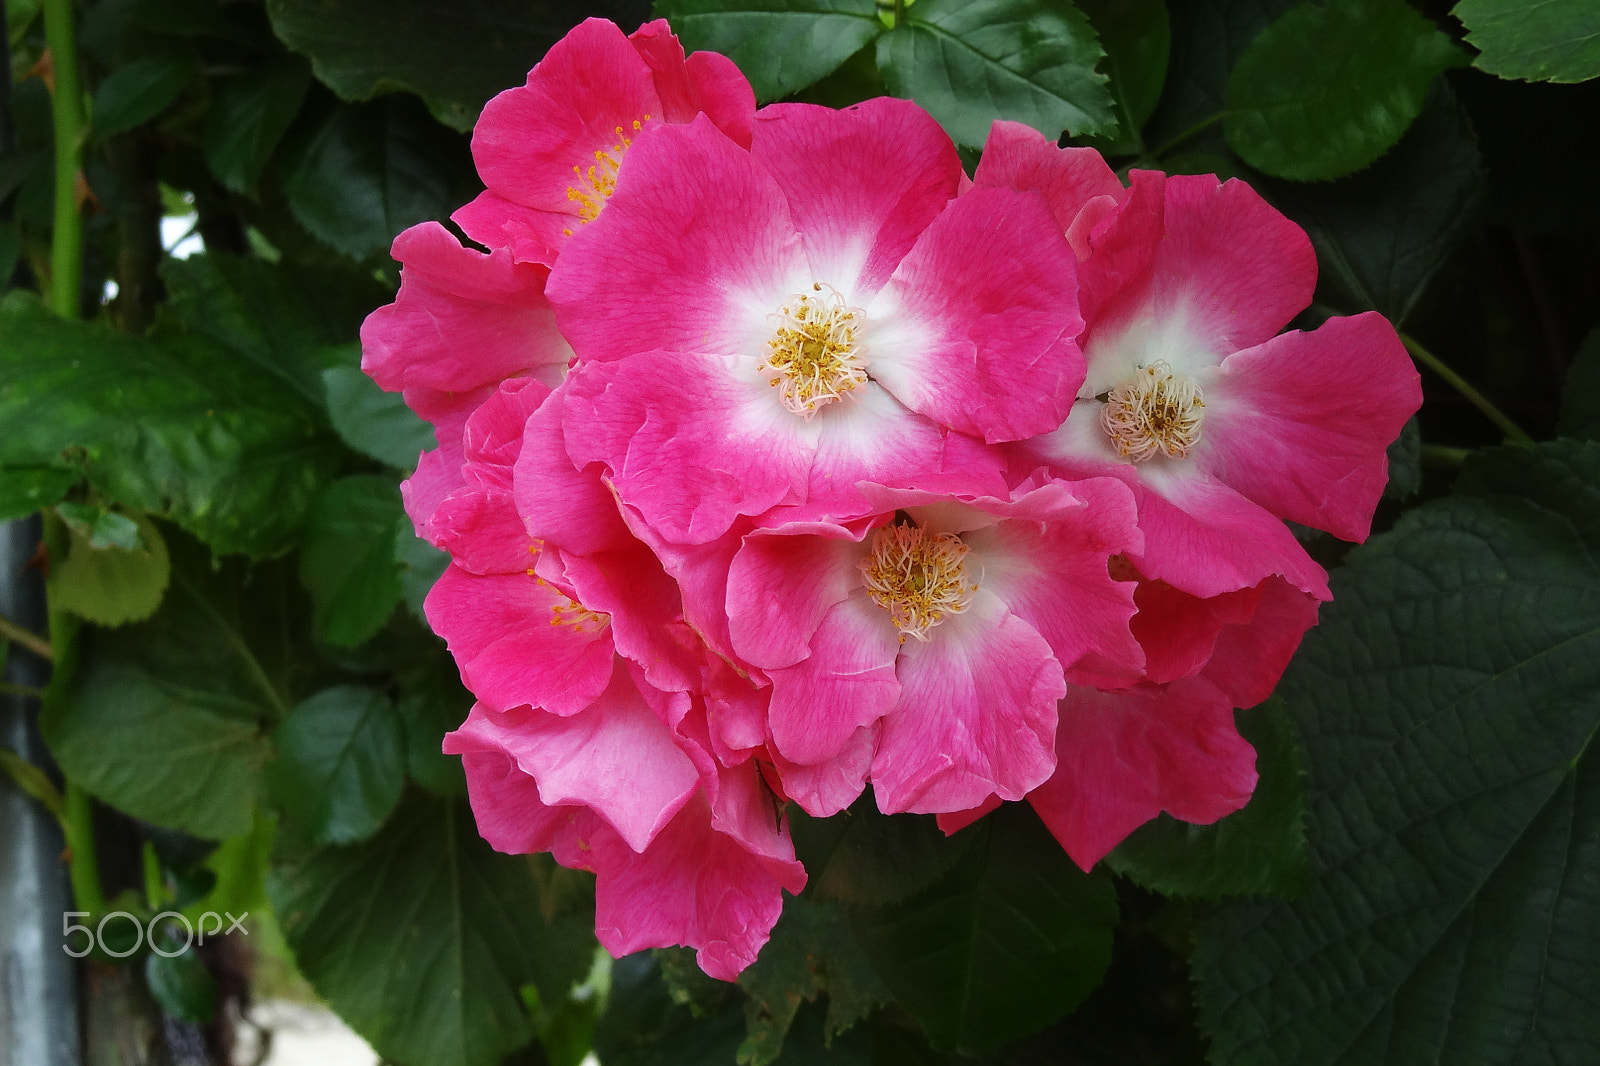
x=1512, y=431
x=66, y=106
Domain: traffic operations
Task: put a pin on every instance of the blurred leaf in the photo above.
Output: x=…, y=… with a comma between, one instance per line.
x=1259, y=850
x=364, y=172
x=167, y=425
x=1383, y=234
x=113, y=584
x=1014, y=936
x=24, y=490
x=372, y=421
x=1405, y=462
x=340, y=765
x=812, y=950
x=348, y=563
x=421, y=937
x=421, y=565
x=167, y=719
x=430, y=707
x=101, y=526
x=1208, y=36
x=863, y=857
x=137, y=92
x=455, y=56
x=10, y=247
x=1447, y=706
x=239, y=870
x=781, y=45
x=1534, y=40
x=1325, y=90
x=249, y=114
x=180, y=984
x=19, y=17
x=1137, y=38
x=644, y=1026
x=1580, y=400
x=970, y=62
x=33, y=781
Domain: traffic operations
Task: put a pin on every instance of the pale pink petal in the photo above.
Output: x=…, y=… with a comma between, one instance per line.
x=826, y=788
x=1125, y=757
x=848, y=682
x=1300, y=423
x=783, y=583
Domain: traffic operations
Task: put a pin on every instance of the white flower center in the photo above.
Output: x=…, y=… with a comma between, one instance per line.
x=1158, y=412
x=918, y=577
x=815, y=354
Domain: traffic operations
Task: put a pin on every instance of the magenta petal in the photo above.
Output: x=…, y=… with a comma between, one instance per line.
x=782, y=584
x=462, y=319
x=861, y=183
x=826, y=788
x=953, y=822
x=723, y=93
x=560, y=504
x=976, y=328
x=505, y=801
x=531, y=235
x=1249, y=658
x=644, y=605
x=976, y=714
x=500, y=630
x=1300, y=424
x=1178, y=631
x=848, y=682
x=1125, y=757
x=1020, y=157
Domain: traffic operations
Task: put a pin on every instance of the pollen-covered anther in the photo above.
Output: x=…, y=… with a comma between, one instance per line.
x=574, y=614
x=1158, y=412
x=920, y=578
x=598, y=181
x=815, y=356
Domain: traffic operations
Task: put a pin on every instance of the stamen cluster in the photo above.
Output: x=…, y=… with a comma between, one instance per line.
x=815, y=357
x=917, y=576
x=1157, y=412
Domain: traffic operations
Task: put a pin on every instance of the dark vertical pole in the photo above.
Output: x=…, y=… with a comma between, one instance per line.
x=38, y=986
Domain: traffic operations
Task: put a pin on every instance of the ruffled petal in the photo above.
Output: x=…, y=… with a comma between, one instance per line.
x=1249, y=658
x=847, y=683
x=1019, y=157
x=782, y=584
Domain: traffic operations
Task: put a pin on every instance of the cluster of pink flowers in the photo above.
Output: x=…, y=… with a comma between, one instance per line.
x=778, y=457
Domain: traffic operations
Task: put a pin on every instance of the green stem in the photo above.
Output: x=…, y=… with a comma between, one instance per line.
x=28, y=691
x=11, y=631
x=1445, y=456
x=1512, y=431
x=899, y=13
x=84, y=871
x=66, y=107
x=1198, y=127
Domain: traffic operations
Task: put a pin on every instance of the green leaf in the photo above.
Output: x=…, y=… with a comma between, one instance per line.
x=863, y=857
x=249, y=114
x=101, y=526
x=970, y=62
x=167, y=720
x=455, y=56
x=1259, y=850
x=1011, y=938
x=172, y=426
x=421, y=564
x=340, y=765
x=812, y=950
x=1580, y=400
x=112, y=584
x=24, y=490
x=1534, y=40
x=430, y=707
x=1137, y=37
x=347, y=562
x=1325, y=90
x=421, y=937
x=1447, y=706
x=781, y=45
x=1383, y=234
x=180, y=983
x=643, y=1025
x=1405, y=462
x=137, y=92
x=372, y=421
x=364, y=172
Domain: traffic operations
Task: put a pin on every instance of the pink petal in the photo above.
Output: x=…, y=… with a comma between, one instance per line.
x=847, y=683
x=724, y=94
x=1178, y=631
x=1125, y=757
x=1300, y=424
x=1020, y=157
x=782, y=584
x=530, y=235
x=505, y=801
x=1249, y=658
x=826, y=788
x=560, y=504
x=644, y=605
x=955, y=821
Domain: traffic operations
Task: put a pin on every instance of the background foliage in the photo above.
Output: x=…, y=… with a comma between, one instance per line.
x=246, y=709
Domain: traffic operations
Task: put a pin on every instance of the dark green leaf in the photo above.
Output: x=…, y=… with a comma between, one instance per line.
x=1260, y=850
x=372, y=421
x=19, y=16
x=340, y=765
x=455, y=56
x=171, y=426
x=1580, y=400
x=430, y=707
x=249, y=115
x=10, y=246
x=137, y=92
x=812, y=950
x=421, y=564
x=1405, y=462
x=364, y=172
x=101, y=526
x=181, y=984
x=112, y=584
x=348, y=563
x=644, y=1026
x=1325, y=90
x=781, y=45
x=24, y=490
x=863, y=857
x=1137, y=37
x=1011, y=938
x=1448, y=712
x=166, y=720
x=970, y=62
x=421, y=937
x=1381, y=235
x=1534, y=40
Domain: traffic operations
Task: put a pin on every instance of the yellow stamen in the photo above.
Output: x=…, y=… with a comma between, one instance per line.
x=598, y=181
x=918, y=577
x=1158, y=412
x=815, y=356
